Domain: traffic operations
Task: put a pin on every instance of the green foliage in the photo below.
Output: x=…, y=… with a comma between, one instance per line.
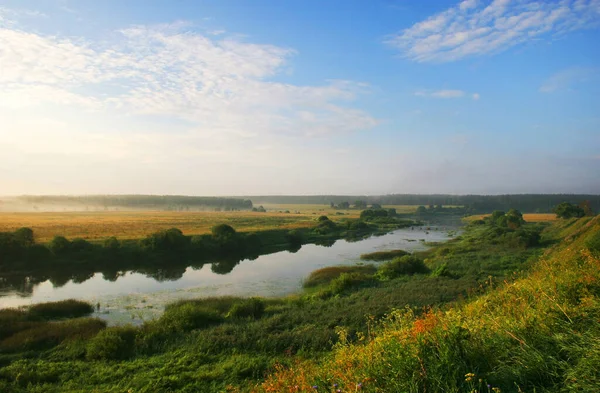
x=349, y=281
x=328, y=274
x=24, y=236
x=45, y=335
x=167, y=240
x=513, y=219
x=112, y=343
x=405, y=265
x=357, y=225
x=568, y=210
x=112, y=243
x=323, y=218
x=383, y=255
x=62, y=309
x=370, y=214
x=59, y=245
x=252, y=308
x=184, y=317
x=325, y=227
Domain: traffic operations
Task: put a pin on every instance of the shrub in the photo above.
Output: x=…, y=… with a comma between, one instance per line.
x=79, y=245
x=251, y=308
x=325, y=226
x=323, y=218
x=185, y=317
x=112, y=243
x=406, y=265
x=383, y=255
x=357, y=225
x=330, y=273
x=112, y=344
x=63, y=309
x=170, y=240
x=348, y=281
x=59, y=245
x=24, y=236
x=48, y=334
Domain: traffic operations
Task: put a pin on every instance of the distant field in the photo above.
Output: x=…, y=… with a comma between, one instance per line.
x=132, y=225
x=137, y=224
x=529, y=217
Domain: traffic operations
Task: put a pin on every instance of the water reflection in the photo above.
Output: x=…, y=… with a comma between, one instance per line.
x=276, y=273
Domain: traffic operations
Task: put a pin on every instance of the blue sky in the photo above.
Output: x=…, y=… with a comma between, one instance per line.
x=299, y=97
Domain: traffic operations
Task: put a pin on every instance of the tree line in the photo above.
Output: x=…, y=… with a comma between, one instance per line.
x=528, y=203
x=138, y=201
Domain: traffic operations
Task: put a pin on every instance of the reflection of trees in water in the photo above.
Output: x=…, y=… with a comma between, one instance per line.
x=225, y=265
x=170, y=267
x=112, y=275
x=325, y=242
x=22, y=286
x=164, y=274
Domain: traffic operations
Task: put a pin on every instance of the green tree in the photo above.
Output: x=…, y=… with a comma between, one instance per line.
x=568, y=210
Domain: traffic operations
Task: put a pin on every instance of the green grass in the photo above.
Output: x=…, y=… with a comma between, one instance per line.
x=537, y=333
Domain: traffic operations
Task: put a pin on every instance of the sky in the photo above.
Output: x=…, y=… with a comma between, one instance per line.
x=237, y=97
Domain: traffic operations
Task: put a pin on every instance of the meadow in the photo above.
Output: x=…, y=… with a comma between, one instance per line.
x=128, y=225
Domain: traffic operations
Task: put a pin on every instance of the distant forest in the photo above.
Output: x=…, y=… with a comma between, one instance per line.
x=528, y=203
x=137, y=201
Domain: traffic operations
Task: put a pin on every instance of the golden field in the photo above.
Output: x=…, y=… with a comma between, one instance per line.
x=529, y=217
x=137, y=224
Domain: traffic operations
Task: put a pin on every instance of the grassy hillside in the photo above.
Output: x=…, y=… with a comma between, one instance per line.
x=540, y=332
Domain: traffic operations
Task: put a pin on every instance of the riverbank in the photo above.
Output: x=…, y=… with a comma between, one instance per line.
x=206, y=345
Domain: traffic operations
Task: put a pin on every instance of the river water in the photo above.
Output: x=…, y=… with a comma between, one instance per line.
x=133, y=297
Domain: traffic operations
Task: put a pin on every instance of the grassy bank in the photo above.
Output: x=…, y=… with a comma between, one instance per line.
x=539, y=332
x=207, y=345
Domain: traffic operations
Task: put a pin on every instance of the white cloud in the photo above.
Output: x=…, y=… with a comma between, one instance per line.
x=475, y=28
x=567, y=78
x=169, y=70
x=445, y=94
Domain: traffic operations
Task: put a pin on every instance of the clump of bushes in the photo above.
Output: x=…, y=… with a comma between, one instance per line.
x=62, y=309
x=43, y=335
x=406, y=265
x=168, y=240
x=349, y=281
x=184, y=317
x=328, y=274
x=114, y=343
x=325, y=226
x=253, y=308
x=383, y=255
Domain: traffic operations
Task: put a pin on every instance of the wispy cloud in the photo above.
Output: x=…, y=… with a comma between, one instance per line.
x=475, y=27
x=568, y=78
x=217, y=83
x=446, y=94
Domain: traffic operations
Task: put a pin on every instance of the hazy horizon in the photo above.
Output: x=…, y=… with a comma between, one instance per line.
x=302, y=98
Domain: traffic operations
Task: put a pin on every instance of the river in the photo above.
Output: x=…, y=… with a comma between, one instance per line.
x=132, y=297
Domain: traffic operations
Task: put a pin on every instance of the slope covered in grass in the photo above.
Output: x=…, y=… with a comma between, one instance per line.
x=540, y=332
